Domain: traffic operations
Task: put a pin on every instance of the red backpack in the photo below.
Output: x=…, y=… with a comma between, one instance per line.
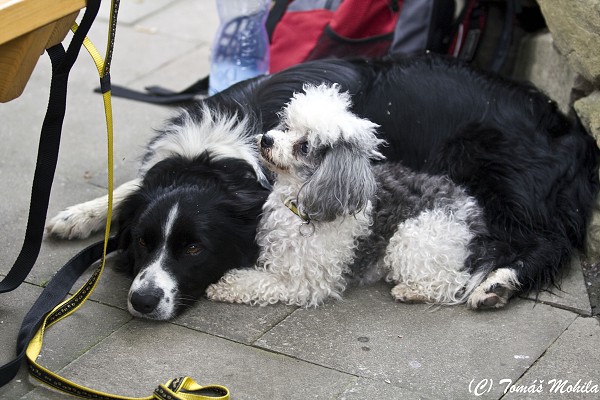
x=336, y=29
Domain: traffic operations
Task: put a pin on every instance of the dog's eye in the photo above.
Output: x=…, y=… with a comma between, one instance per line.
x=141, y=242
x=304, y=148
x=193, y=249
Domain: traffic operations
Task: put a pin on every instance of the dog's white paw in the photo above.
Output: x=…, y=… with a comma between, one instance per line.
x=495, y=291
x=223, y=292
x=76, y=222
x=249, y=286
x=233, y=287
x=408, y=294
x=81, y=220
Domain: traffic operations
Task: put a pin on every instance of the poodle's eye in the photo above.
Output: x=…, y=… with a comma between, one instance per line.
x=142, y=242
x=304, y=148
x=193, y=249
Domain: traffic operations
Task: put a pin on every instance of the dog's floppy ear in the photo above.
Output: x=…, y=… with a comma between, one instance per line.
x=128, y=212
x=342, y=184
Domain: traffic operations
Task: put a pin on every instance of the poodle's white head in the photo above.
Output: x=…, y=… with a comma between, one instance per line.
x=325, y=150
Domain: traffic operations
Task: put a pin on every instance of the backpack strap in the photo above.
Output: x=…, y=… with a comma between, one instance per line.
x=513, y=7
x=160, y=95
x=411, y=34
x=275, y=15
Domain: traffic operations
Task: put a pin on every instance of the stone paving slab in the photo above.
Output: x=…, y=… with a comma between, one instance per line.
x=53, y=254
x=133, y=11
x=191, y=20
x=13, y=307
x=179, y=74
x=82, y=154
x=63, y=342
x=112, y=288
x=143, y=354
x=569, y=368
x=434, y=352
x=362, y=389
x=240, y=323
x=572, y=294
x=138, y=52
x=235, y=322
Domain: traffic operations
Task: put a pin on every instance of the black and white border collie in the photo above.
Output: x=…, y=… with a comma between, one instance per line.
x=192, y=213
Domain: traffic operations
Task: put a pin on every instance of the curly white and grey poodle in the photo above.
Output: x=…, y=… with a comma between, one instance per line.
x=336, y=216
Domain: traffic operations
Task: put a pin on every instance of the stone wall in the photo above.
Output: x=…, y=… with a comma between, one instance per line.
x=565, y=63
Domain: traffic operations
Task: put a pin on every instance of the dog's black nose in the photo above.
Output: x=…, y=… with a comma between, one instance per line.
x=266, y=141
x=146, y=302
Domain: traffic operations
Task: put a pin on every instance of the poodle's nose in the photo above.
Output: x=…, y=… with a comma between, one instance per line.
x=266, y=141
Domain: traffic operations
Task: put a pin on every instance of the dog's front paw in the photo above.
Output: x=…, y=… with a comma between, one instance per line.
x=248, y=286
x=75, y=222
x=407, y=294
x=495, y=296
x=495, y=291
x=223, y=292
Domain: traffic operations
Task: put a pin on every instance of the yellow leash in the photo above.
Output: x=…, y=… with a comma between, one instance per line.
x=184, y=388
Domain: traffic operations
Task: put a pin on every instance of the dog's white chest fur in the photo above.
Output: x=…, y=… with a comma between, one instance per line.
x=310, y=257
x=293, y=268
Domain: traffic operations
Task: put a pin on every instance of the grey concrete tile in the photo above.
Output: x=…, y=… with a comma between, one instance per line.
x=143, y=354
x=17, y=170
x=82, y=156
x=63, y=342
x=362, y=389
x=240, y=323
x=178, y=74
x=433, y=352
x=568, y=369
x=14, y=208
x=134, y=10
x=138, y=52
x=195, y=22
x=53, y=254
x=191, y=20
x=13, y=307
x=572, y=294
x=112, y=288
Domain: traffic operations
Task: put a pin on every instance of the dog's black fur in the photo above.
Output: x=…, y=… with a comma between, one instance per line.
x=534, y=171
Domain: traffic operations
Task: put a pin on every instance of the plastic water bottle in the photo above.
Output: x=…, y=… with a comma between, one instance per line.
x=241, y=48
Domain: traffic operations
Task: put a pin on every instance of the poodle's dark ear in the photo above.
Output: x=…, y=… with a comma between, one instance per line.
x=342, y=185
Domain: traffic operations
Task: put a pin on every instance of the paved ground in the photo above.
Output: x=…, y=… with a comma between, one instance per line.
x=364, y=347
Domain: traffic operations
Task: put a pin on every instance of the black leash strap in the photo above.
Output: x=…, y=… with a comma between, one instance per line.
x=160, y=95
x=62, y=62
x=53, y=294
x=47, y=156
